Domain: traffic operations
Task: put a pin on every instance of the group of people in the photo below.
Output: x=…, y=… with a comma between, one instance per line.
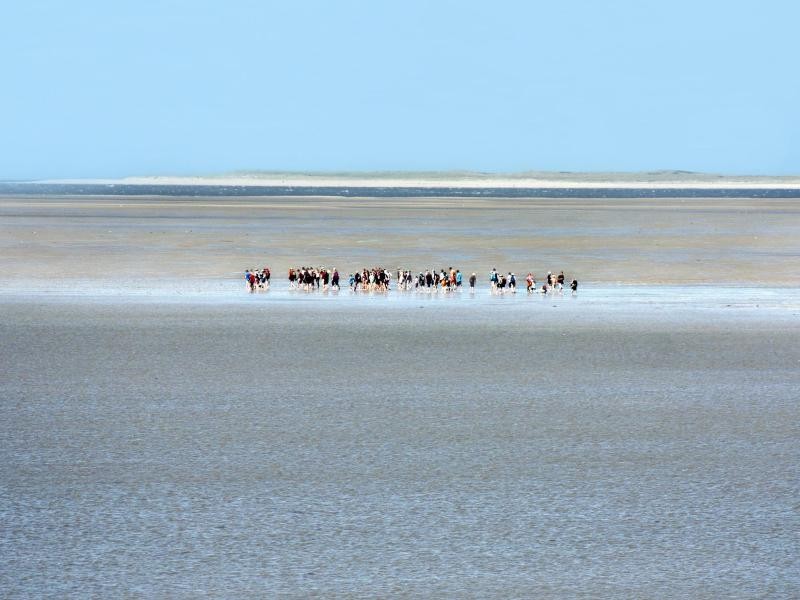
x=508, y=283
x=379, y=279
x=309, y=278
x=376, y=279
x=257, y=280
x=446, y=280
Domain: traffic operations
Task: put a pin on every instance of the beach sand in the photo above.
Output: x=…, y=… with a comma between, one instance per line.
x=52, y=240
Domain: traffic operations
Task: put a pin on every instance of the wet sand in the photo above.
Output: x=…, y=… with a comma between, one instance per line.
x=166, y=438
x=643, y=241
x=339, y=449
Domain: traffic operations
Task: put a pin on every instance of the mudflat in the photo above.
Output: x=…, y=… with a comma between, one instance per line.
x=645, y=241
x=627, y=441
x=374, y=448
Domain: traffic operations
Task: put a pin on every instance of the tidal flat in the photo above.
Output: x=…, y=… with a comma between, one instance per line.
x=49, y=241
x=163, y=433
x=346, y=449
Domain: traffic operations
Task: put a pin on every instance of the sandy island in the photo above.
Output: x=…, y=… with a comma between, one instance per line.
x=555, y=180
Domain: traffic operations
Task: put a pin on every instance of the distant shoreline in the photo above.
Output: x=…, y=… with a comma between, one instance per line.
x=540, y=180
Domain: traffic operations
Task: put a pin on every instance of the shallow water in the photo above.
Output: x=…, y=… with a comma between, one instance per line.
x=371, y=447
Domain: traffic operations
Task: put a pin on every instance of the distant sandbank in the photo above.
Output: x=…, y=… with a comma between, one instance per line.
x=554, y=180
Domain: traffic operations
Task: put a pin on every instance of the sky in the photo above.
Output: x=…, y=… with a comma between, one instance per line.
x=99, y=89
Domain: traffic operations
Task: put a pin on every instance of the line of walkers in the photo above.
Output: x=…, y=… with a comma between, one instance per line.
x=508, y=283
x=448, y=280
x=431, y=280
x=379, y=279
x=309, y=278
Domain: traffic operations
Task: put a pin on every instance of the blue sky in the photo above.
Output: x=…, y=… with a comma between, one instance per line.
x=109, y=89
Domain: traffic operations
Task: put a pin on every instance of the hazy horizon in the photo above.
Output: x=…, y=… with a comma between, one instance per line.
x=670, y=174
